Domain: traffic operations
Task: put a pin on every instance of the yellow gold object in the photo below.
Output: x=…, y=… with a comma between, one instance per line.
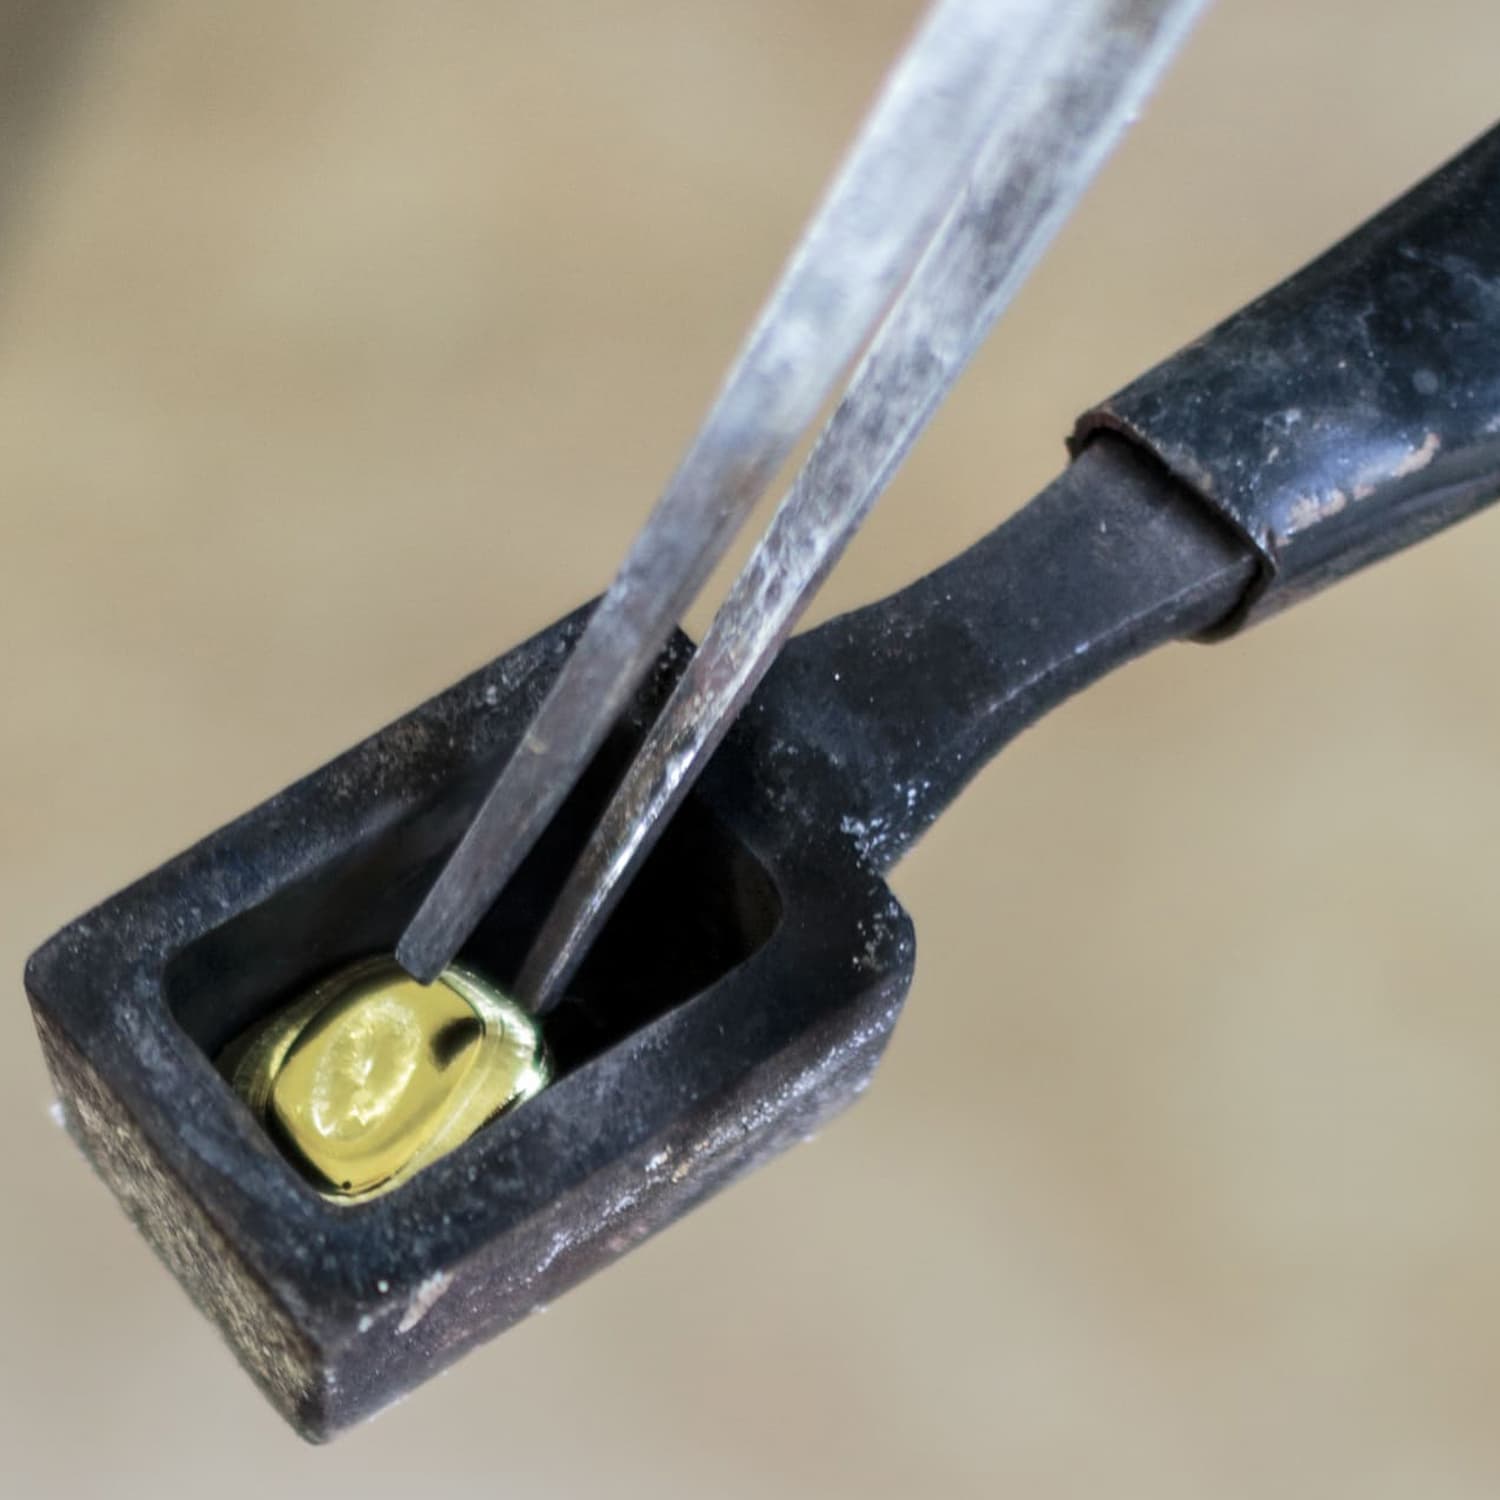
x=372, y=1076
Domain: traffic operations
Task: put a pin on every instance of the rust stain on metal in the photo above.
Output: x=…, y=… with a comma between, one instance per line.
x=1418, y=458
x=1308, y=510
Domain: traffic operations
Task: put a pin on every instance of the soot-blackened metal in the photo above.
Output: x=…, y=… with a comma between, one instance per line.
x=337, y=1310
x=684, y=1065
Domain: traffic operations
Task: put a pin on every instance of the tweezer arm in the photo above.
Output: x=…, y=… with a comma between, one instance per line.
x=965, y=69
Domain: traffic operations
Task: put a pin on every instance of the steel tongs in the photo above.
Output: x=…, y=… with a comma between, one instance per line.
x=985, y=135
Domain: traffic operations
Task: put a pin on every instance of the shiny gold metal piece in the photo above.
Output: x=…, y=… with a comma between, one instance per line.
x=372, y=1076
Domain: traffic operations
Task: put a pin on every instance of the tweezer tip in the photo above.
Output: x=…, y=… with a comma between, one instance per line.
x=418, y=959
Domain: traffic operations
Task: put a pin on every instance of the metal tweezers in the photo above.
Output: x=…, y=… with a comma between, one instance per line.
x=983, y=138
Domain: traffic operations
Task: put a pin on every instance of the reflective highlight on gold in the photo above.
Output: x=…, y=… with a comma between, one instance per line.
x=372, y=1076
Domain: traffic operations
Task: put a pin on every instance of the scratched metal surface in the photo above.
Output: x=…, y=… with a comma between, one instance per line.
x=343, y=347
x=1099, y=66
x=911, y=155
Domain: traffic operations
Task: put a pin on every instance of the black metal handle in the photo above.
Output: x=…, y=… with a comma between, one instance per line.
x=875, y=721
x=1351, y=411
x=1355, y=408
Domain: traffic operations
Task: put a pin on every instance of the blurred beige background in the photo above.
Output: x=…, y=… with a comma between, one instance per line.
x=343, y=345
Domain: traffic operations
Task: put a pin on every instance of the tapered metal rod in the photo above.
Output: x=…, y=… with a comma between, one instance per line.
x=956, y=79
x=1100, y=60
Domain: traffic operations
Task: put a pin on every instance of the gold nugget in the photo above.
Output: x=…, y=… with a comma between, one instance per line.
x=372, y=1076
